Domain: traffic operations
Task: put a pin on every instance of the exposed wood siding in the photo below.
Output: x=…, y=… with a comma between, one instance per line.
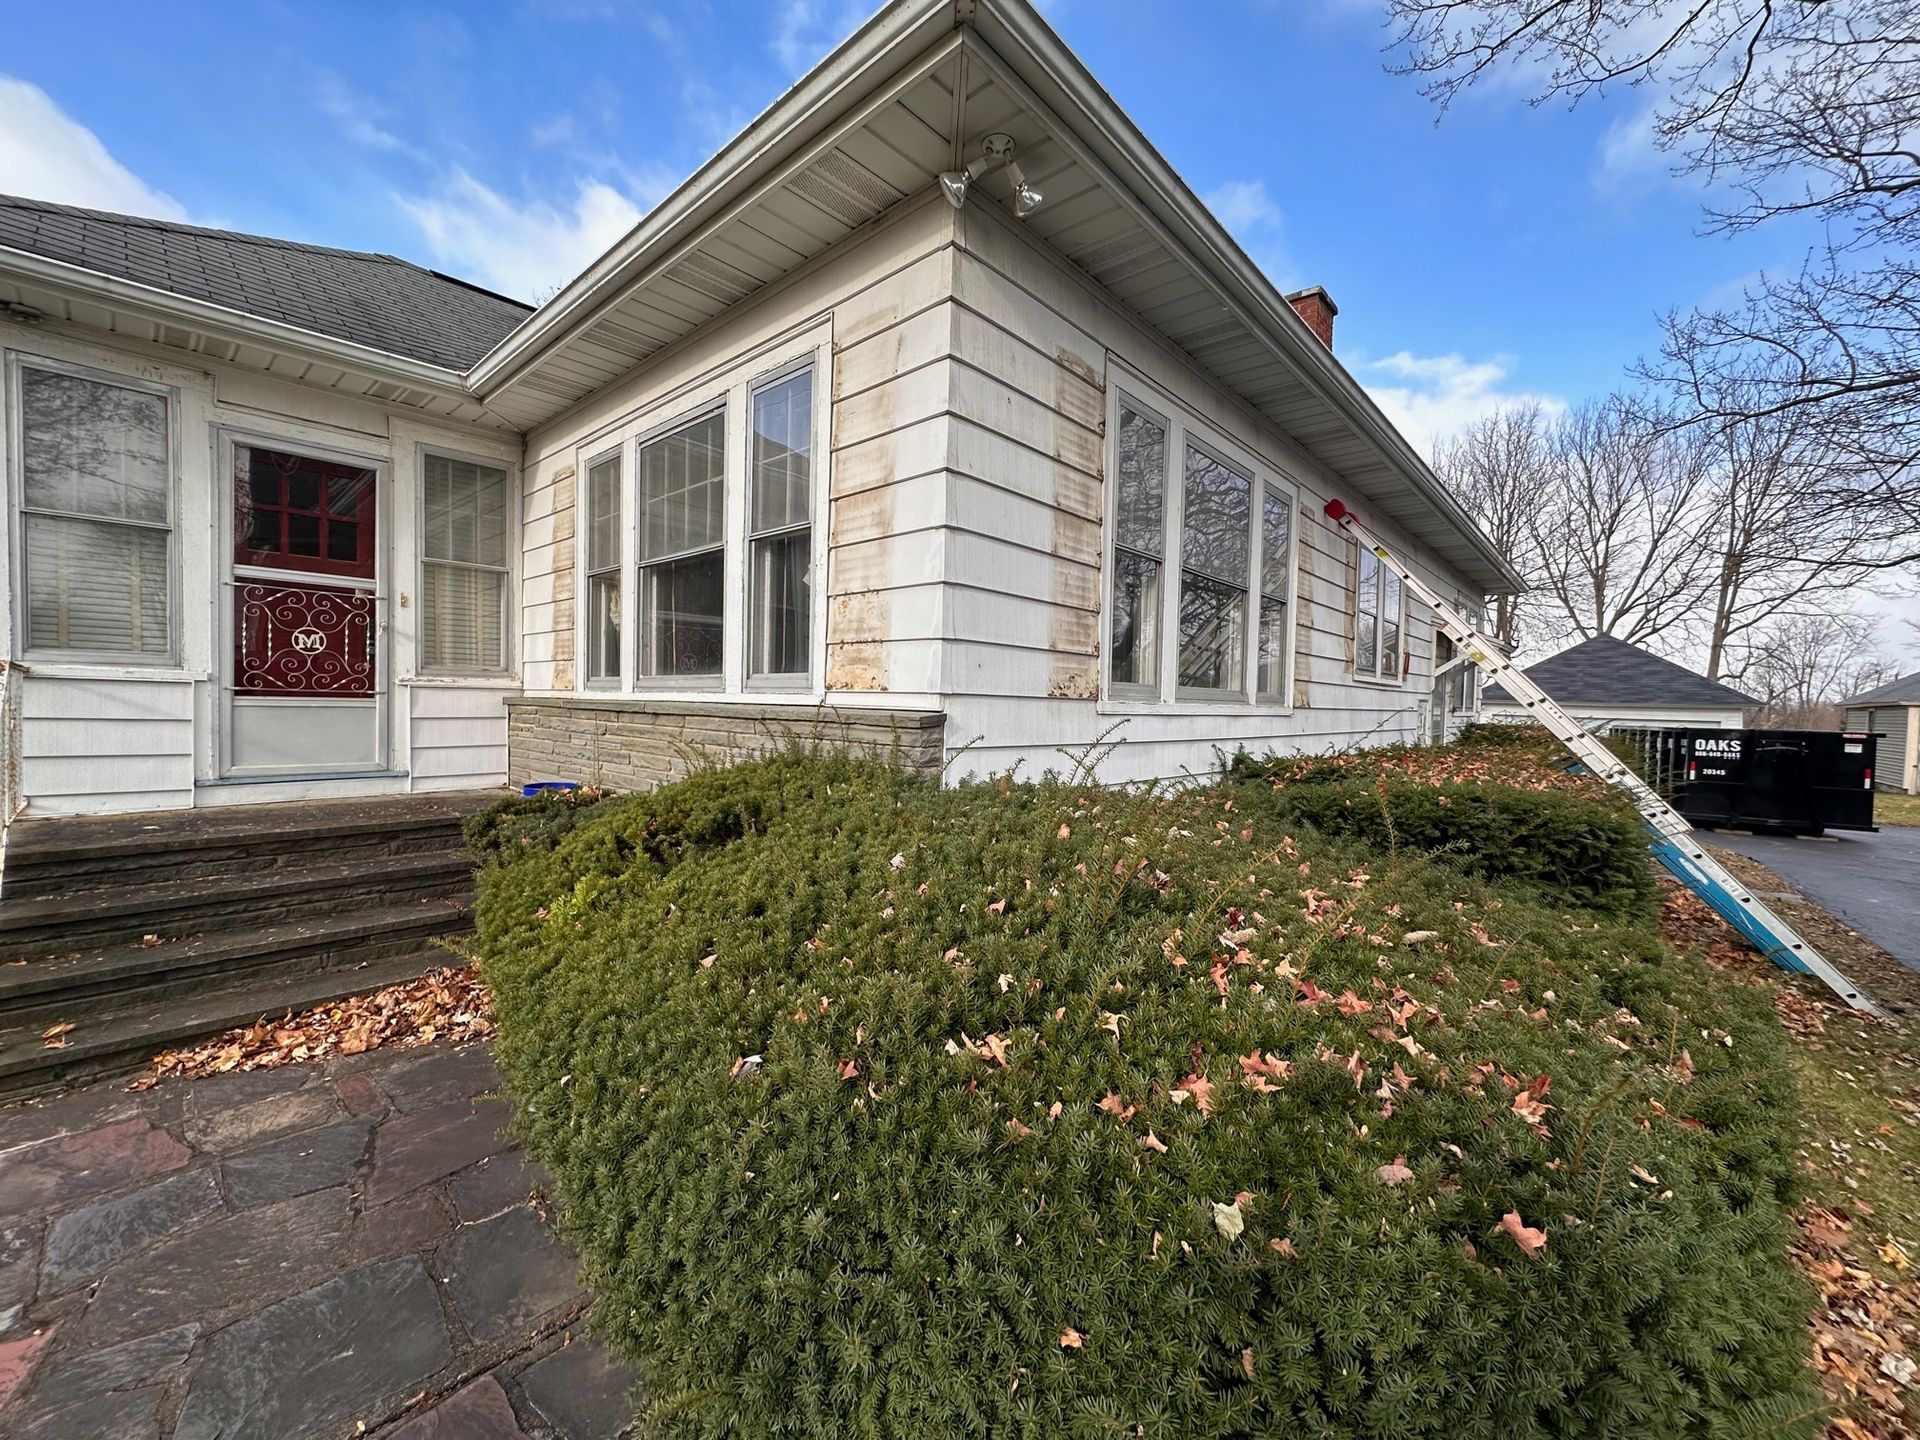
x=883, y=296
x=1035, y=348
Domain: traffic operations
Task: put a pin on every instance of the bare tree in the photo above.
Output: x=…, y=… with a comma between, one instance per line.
x=1788, y=108
x=1801, y=666
x=1500, y=469
x=1619, y=538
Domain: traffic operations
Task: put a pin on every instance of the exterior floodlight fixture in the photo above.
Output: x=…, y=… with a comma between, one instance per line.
x=1026, y=199
x=996, y=150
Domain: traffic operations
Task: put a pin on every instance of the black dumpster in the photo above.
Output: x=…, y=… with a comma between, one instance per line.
x=1800, y=782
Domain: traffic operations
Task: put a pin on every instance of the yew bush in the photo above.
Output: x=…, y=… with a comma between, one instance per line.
x=877, y=1109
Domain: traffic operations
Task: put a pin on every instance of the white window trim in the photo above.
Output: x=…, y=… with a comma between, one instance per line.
x=623, y=565
x=1401, y=668
x=728, y=386
x=15, y=408
x=509, y=591
x=1168, y=697
x=798, y=680
x=722, y=405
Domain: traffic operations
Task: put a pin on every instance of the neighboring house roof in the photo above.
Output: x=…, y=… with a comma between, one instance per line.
x=379, y=301
x=1606, y=671
x=1904, y=691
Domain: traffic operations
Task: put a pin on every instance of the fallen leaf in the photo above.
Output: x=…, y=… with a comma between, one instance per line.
x=1201, y=1089
x=1228, y=1220
x=848, y=1070
x=1246, y=1362
x=1530, y=1240
x=1071, y=1339
x=1284, y=1246
x=1395, y=1173
x=1153, y=1142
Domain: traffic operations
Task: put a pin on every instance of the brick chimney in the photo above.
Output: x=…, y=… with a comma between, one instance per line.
x=1316, y=307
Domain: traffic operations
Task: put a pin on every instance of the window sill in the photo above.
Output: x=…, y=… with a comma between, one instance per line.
x=1377, y=683
x=478, y=681
x=1241, y=709
x=162, y=674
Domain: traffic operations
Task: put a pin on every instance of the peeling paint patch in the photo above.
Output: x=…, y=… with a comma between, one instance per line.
x=863, y=616
x=856, y=666
x=1084, y=368
x=1073, y=677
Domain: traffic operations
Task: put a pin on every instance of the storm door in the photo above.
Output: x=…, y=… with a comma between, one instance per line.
x=305, y=669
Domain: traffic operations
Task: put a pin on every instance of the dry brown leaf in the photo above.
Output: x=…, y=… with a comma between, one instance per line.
x=1153, y=1142
x=1530, y=1240
x=1071, y=1339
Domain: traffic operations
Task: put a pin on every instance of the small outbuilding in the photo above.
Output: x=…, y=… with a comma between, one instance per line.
x=1606, y=683
x=1892, y=712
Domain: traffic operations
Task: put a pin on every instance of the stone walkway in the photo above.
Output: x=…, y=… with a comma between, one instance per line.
x=317, y=1251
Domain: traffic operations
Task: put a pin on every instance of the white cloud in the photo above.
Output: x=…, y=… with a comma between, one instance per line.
x=1433, y=397
x=1243, y=206
x=528, y=249
x=806, y=31
x=358, y=116
x=46, y=154
x=1254, y=219
x=1630, y=149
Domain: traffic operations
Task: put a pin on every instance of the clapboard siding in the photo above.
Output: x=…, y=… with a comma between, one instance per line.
x=1894, y=758
x=882, y=297
x=100, y=746
x=1036, y=347
x=459, y=735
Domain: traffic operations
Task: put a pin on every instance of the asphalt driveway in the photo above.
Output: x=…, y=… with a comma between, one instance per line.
x=1871, y=882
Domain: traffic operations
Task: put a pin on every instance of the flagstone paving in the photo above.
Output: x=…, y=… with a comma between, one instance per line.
x=355, y=1248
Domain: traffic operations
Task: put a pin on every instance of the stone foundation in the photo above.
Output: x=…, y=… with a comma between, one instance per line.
x=628, y=742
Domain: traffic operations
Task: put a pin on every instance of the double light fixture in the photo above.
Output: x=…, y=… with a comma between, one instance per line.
x=995, y=151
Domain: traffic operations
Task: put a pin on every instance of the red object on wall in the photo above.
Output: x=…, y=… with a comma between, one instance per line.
x=303, y=640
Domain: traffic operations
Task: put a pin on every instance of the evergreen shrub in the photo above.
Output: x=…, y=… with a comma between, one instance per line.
x=877, y=1109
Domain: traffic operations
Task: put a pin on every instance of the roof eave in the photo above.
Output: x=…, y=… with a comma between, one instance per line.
x=1051, y=65
x=239, y=326
x=784, y=127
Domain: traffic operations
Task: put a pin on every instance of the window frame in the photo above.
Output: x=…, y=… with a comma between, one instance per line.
x=725, y=385
x=1291, y=501
x=1401, y=667
x=1184, y=428
x=16, y=362
x=797, y=680
x=422, y=560
x=708, y=681
x=623, y=563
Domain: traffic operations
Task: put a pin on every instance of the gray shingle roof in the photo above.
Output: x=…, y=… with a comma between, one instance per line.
x=1606, y=671
x=375, y=300
x=1904, y=691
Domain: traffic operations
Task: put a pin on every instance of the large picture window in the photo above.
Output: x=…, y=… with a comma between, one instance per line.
x=1377, y=606
x=1227, y=523
x=683, y=612
x=463, y=571
x=603, y=569
x=780, y=528
x=96, y=502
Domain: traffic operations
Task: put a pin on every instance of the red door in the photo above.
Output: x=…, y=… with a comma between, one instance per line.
x=310, y=517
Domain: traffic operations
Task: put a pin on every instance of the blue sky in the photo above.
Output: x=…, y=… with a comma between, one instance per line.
x=1505, y=251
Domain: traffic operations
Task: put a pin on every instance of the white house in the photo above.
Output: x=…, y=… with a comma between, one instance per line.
x=935, y=407
x=1892, y=711
x=1608, y=684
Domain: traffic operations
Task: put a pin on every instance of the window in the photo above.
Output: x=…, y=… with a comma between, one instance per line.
x=294, y=512
x=1457, y=689
x=1216, y=502
x=463, y=572
x=1376, y=620
x=1276, y=555
x=682, y=550
x=1139, y=540
x=779, y=528
x=96, y=501
x=603, y=569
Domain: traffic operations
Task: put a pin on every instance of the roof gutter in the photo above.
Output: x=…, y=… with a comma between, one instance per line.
x=238, y=327
x=1244, y=288
x=829, y=89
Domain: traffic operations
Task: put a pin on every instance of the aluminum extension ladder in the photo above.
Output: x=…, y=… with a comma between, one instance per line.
x=1674, y=843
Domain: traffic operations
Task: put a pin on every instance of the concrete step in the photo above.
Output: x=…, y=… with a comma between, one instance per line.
x=127, y=1040
x=51, y=858
x=234, y=901
x=76, y=987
